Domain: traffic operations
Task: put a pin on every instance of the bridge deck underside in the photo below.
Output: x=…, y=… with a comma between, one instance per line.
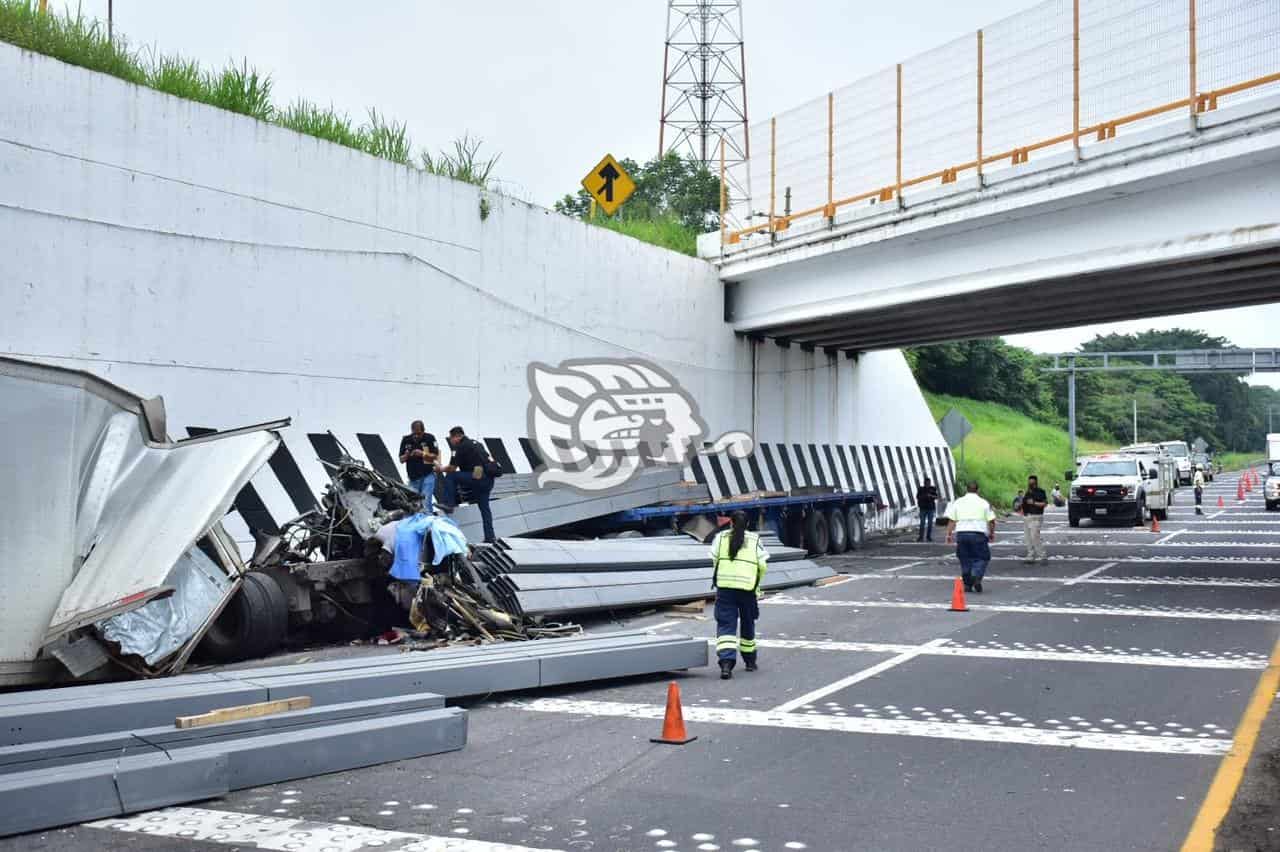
x=1224, y=281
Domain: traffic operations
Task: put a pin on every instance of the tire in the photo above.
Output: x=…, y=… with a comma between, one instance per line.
x=855, y=532
x=817, y=537
x=1138, y=519
x=837, y=532
x=252, y=624
x=793, y=530
x=1073, y=520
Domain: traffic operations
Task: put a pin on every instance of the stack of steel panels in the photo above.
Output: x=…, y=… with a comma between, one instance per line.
x=88, y=752
x=553, y=577
x=532, y=511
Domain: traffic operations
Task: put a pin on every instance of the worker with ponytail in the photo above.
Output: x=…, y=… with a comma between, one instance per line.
x=740, y=561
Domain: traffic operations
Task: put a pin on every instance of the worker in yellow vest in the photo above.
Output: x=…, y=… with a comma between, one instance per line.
x=740, y=561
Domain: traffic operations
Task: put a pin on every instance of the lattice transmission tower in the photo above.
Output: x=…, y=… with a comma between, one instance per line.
x=704, y=83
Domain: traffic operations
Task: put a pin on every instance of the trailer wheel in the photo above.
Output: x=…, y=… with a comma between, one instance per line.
x=816, y=535
x=837, y=532
x=855, y=532
x=252, y=624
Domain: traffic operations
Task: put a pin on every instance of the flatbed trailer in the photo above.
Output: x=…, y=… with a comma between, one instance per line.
x=820, y=522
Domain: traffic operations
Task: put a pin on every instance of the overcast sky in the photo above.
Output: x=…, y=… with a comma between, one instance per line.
x=552, y=85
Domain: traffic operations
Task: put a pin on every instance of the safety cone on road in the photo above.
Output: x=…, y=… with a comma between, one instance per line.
x=673, y=732
x=1155, y=523
x=1240, y=490
x=1220, y=503
x=957, y=597
x=1248, y=483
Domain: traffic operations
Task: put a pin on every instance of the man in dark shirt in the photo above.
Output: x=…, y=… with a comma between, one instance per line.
x=1033, y=503
x=419, y=453
x=469, y=475
x=927, y=503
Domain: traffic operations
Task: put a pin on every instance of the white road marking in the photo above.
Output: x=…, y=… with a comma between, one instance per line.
x=1126, y=612
x=291, y=835
x=1086, y=575
x=1141, y=743
x=1005, y=652
x=908, y=565
x=1085, y=579
x=1066, y=557
x=843, y=683
x=1223, y=512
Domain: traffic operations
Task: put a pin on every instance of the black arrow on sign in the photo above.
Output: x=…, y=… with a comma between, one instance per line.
x=609, y=174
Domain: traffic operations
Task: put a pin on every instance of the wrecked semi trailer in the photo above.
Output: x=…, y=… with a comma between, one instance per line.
x=115, y=554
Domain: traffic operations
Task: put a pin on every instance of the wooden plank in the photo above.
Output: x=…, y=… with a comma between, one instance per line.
x=244, y=711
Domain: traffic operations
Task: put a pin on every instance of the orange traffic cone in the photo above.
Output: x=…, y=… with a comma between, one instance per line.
x=957, y=597
x=1155, y=523
x=1220, y=503
x=1240, y=490
x=673, y=732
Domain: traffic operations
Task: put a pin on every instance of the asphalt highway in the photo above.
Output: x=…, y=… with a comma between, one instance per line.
x=1081, y=704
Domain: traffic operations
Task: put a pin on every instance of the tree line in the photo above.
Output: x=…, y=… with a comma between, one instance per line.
x=1227, y=412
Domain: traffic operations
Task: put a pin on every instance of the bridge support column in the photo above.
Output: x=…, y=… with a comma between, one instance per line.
x=1071, y=411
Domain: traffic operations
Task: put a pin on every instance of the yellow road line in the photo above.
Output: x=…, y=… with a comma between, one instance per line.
x=1231, y=771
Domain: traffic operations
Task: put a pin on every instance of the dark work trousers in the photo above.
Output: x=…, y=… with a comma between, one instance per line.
x=736, y=614
x=974, y=553
x=926, y=525
x=461, y=483
x=1199, y=498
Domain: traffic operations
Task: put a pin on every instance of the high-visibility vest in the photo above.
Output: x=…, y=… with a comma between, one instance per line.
x=743, y=571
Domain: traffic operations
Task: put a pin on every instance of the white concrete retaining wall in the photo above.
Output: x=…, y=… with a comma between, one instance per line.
x=246, y=272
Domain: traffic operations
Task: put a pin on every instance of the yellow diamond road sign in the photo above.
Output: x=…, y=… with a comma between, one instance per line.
x=609, y=184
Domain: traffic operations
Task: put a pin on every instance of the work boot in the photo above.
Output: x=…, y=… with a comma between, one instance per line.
x=726, y=669
x=968, y=583
x=977, y=586
x=751, y=665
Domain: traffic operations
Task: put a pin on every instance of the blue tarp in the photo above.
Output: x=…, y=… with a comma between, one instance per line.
x=446, y=538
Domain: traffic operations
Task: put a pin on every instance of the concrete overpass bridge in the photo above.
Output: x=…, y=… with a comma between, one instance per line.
x=1086, y=161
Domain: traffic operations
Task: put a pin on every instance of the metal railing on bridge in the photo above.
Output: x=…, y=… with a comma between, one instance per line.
x=1060, y=76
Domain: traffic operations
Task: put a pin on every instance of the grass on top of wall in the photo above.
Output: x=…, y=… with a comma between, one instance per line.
x=1006, y=445
x=1237, y=461
x=241, y=88
x=666, y=232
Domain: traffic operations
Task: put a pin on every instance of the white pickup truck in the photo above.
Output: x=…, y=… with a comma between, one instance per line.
x=1271, y=485
x=1182, y=457
x=1120, y=487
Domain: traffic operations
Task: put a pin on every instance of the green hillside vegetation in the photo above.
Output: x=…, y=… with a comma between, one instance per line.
x=1007, y=445
x=1228, y=413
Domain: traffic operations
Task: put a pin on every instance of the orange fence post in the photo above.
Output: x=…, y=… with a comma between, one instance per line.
x=830, y=210
x=1075, y=77
x=724, y=194
x=898, y=183
x=1191, y=94
x=773, y=167
x=979, y=108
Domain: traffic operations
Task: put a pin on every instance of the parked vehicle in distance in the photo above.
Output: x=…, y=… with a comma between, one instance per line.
x=1271, y=485
x=1114, y=486
x=1204, y=463
x=1161, y=487
x=1182, y=456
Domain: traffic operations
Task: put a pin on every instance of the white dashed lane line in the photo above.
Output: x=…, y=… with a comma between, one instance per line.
x=1040, y=652
x=1044, y=609
x=1086, y=579
x=968, y=731
x=290, y=835
x=857, y=677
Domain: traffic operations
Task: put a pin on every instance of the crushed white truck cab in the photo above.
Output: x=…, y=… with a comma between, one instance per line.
x=1271, y=485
